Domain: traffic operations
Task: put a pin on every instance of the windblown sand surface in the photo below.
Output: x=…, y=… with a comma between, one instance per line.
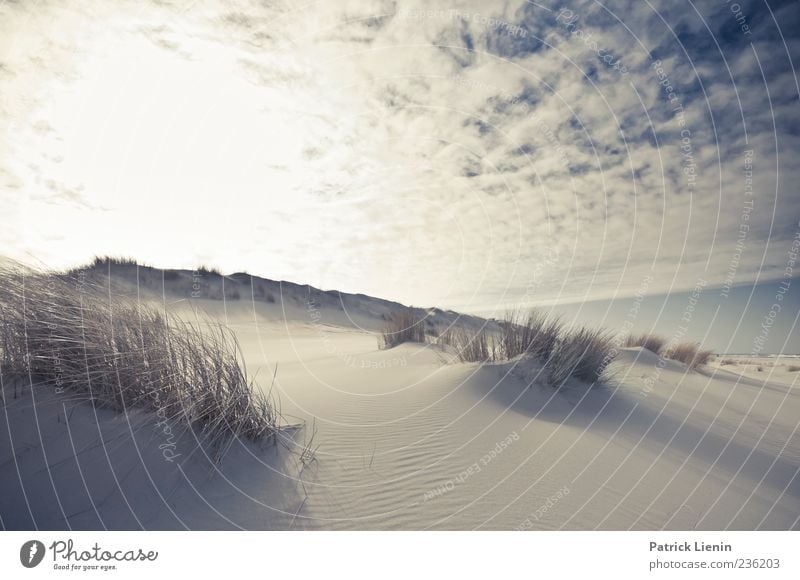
x=408, y=438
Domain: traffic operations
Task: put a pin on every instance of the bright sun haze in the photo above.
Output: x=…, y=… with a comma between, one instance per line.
x=461, y=156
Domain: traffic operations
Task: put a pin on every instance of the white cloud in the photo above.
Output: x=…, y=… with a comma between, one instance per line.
x=431, y=155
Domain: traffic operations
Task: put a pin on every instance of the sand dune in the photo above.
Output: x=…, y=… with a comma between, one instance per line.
x=409, y=438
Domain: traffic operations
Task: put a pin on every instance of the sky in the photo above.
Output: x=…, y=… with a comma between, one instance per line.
x=470, y=155
x=749, y=319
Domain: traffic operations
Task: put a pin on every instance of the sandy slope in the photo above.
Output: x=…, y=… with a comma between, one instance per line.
x=774, y=369
x=77, y=467
x=410, y=439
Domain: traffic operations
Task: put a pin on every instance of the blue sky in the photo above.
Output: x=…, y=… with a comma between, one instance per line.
x=742, y=320
x=473, y=155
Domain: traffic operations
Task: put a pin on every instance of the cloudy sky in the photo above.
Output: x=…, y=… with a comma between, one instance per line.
x=465, y=154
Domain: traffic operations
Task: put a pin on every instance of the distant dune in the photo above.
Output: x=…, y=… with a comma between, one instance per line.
x=275, y=299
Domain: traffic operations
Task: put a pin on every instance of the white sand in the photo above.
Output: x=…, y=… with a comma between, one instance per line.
x=774, y=369
x=410, y=439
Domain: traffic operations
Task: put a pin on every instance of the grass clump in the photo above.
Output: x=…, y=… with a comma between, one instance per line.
x=471, y=345
x=402, y=327
x=793, y=368
x=689, y=353
x=204, y=270
x=106, y=261
x=534, y=335
x=651, y=342
x=474, y=346
x=583, y=354
x=70, y=332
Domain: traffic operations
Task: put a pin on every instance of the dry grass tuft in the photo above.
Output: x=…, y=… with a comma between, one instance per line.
x=474, y=346
x=471, y=345
x=404, y=327
x=651, y=342
x=583, y=354
x=72, y=333
x=689, y=353
x=210, y=271
x=535, y=335
x=106, y=261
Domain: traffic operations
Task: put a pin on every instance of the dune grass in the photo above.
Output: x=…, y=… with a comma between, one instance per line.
x=651, y=342
x=71, y=332
x=474, y=346
x=402, y=327
x=689, y=353
x=106, y=261
x=204, y=270
x=583, y=354
x=534, y=334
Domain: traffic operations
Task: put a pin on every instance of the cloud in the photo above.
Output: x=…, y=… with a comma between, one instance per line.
x=431, y=155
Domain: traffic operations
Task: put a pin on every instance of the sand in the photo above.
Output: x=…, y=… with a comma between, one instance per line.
x=409, y=438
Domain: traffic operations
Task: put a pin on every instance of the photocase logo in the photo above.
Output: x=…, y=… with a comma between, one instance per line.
x=31, y=553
